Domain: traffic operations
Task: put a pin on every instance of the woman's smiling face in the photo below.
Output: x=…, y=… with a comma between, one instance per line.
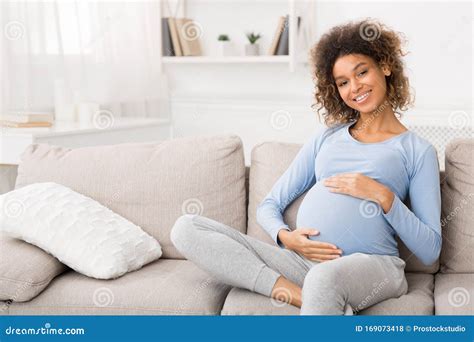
x=360, y=82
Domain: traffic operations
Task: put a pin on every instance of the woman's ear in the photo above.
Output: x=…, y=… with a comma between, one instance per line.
x=386, y=70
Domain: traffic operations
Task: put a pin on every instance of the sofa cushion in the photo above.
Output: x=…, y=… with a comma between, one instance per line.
x=269, y=162
x=80, y=232
x=25, y=270
x=150, y=184
x=457, y=212
x=454, y=294
x=417, y=301
x=165, y=287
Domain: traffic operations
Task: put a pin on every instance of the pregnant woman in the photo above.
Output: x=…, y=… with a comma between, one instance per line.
x=343, y=256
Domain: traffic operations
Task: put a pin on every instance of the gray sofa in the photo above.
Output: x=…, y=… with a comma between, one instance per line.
x=152, y=184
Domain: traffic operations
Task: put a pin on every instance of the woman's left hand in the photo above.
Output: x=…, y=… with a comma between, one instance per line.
x=361, y=186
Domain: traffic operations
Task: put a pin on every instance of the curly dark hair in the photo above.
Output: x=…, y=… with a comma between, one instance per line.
x=367, y=37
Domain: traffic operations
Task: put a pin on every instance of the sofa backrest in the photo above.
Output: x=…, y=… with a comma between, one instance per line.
x=150, y=184
x=457, y=219
x=269, y=162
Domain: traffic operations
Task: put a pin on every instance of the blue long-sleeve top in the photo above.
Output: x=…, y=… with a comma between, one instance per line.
x=407, y=164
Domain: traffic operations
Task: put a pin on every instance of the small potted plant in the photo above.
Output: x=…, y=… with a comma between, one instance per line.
x=224, y=45
x=252, y=49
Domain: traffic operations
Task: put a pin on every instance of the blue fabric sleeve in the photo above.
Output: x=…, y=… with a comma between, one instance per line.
x=299, y=176
x=420, y=227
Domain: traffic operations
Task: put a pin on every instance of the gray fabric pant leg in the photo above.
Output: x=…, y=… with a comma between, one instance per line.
x=235, y=258
x=355, y=281
x=359, y=280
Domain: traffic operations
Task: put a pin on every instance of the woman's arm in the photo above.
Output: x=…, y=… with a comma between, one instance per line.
x=297, y=179
x=420, y=227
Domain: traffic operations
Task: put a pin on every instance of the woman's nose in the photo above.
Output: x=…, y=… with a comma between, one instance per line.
x=355, y=87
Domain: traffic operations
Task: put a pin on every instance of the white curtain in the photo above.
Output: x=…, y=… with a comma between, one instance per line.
x=63, y=52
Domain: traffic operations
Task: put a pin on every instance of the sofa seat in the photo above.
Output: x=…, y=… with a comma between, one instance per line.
x=4, y=307
x=418, y=301
x=164, y=287
x=454, y=294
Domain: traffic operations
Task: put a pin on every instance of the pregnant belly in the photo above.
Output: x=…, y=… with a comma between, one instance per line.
x=352, y=224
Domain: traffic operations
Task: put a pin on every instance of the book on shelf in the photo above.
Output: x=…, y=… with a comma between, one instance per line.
x=27, y=119
x=189, y=42
x=276, y=37
x=283, y=43
x=174, y=36
x=280, y=43
x=13, y=124
x=180, y=37
x=166, y=44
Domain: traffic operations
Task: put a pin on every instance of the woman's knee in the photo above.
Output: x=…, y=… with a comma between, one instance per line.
x=320, y=276
x=320, y=293
x=181, y=233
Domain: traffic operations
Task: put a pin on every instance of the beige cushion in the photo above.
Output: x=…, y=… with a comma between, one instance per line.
x=417, y=301
x=454, y=294
x=165, y=287
x=269, y=162
x=25, y=270
x=150, y=184
x=457, y=217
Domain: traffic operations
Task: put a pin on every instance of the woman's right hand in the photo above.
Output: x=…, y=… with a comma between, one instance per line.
x=298, y=241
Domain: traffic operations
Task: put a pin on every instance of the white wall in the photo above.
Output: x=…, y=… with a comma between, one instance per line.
x=241, y=98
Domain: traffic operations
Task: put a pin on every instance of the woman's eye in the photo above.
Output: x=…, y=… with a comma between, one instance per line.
x=342, y=83
x=362, y=72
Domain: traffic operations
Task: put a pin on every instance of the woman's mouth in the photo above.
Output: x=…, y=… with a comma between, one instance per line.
x=362, y=97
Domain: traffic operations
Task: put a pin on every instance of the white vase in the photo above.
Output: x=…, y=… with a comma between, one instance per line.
x=251, y=50
x=85, y=113
x=225, y=48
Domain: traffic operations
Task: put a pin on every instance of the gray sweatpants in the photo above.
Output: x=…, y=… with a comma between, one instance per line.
x=328, y=288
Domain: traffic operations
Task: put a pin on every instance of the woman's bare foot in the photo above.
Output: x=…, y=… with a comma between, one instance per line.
x=287, y=291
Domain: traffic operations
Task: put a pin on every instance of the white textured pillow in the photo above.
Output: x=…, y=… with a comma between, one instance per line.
x=80, y=232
